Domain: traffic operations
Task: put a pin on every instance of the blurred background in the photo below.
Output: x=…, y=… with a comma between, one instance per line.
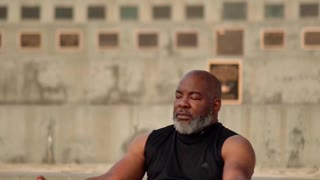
x=80, y=79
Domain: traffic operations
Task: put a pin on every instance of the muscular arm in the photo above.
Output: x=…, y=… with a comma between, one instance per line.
x=131, y=166
x=239, y=159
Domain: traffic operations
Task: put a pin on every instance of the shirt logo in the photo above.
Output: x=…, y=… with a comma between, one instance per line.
x=205, y=165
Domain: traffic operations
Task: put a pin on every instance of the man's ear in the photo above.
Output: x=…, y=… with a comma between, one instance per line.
x=216, y=105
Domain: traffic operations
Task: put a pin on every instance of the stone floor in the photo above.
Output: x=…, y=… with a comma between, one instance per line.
x=75, y=172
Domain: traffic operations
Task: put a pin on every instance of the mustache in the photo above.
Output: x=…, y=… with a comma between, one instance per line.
x=183, y=112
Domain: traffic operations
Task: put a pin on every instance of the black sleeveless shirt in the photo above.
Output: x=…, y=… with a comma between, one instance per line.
x=170, y=155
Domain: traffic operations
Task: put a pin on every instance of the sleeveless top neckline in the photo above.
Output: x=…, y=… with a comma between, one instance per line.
x=175, y=156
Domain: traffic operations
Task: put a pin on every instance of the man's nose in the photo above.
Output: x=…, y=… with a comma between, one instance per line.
x=184, y=103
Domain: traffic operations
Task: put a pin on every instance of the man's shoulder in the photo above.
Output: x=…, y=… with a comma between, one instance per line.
x=237, y=140
x=238, y=145
x=239, y=156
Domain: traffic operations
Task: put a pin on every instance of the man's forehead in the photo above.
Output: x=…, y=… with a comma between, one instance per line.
x=192, y=84
x=194, y=79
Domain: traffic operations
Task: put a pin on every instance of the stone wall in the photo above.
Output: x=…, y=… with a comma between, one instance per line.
x=86, y=106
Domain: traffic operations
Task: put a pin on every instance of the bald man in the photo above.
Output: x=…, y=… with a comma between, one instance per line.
x=196, y=147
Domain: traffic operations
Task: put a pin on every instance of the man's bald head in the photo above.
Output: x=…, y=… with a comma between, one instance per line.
x=197, y=102
x=212, y=84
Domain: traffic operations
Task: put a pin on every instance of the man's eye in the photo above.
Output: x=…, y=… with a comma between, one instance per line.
x=178, y=96
x=195, y=97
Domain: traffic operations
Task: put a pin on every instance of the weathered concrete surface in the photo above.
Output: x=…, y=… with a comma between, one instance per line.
x=92, y=103
x=76, y=132
x=283, y=136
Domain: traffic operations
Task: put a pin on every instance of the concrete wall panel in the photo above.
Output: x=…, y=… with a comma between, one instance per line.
x=92, y=102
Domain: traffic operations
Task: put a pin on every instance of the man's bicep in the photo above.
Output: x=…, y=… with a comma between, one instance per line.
x=131, y=166
x=239, y=159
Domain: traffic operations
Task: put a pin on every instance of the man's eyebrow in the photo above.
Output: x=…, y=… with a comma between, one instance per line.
x=190, y=93
x=195, y=92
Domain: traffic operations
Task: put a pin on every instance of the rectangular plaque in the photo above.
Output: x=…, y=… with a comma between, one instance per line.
x=274, y=11
x=234, y=11
x=3, y=12
x=147, y=40
x=272, y=39
x=309, y=10
x=30, y=12
x=30, y=40
x=229, y=74
x=187, y=40
x=311, y=39
x=229, y=42
x=194, y=12
x=129, y=13
x=161, y=12
x=69, y=40
x=108, y=40
x=96, y=12
x=63, y=13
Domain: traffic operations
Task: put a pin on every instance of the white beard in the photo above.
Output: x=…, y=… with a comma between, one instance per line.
x=196, y=124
